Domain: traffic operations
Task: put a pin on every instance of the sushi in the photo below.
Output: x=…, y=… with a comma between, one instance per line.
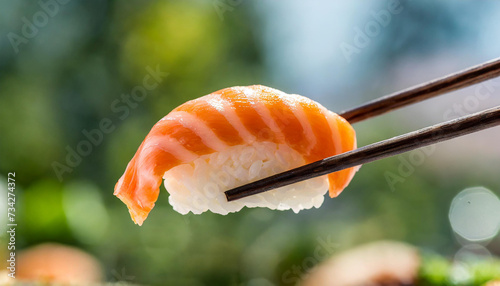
x=232, y=137
x=57, y=264
x=375, y=263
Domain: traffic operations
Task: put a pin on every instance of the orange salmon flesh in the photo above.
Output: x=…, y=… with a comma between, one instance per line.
x=229, y=117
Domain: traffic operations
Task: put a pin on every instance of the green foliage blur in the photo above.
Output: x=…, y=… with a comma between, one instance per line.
x=77, y=73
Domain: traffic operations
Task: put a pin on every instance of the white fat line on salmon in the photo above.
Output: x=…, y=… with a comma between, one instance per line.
x=333, y=123
x=301, y=116
x=221, y=106
x=264, y=114
x=199, y=127
x=169, y=145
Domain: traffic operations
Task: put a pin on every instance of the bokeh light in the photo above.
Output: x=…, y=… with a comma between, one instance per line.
x=475, y=214
x=85, y=211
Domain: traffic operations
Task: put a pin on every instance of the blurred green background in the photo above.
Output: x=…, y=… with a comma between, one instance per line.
x=62, y=74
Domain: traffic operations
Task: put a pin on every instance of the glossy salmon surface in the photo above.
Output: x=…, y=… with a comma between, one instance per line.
x=229, y=117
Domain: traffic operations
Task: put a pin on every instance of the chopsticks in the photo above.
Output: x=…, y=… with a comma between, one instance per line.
x=461, y=79
x=397, y=145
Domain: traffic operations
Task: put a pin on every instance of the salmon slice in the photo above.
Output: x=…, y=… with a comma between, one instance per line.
x=230, y=117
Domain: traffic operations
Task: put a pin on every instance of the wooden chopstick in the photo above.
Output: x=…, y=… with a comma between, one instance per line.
x=424, y=91
x=397, y=145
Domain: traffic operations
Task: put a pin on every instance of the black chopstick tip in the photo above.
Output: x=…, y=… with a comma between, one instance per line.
x=237, y=193
x=245, y=191
x=228, y=195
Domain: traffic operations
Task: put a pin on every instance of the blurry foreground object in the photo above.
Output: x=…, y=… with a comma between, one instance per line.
x=466, y=269
x=378, y=263
x=396, y=263
x=58, y=264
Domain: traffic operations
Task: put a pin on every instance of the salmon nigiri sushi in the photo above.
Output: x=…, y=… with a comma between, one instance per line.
x=231, y=137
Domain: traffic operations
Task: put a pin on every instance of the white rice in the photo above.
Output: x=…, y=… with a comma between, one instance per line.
x=199, y=186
